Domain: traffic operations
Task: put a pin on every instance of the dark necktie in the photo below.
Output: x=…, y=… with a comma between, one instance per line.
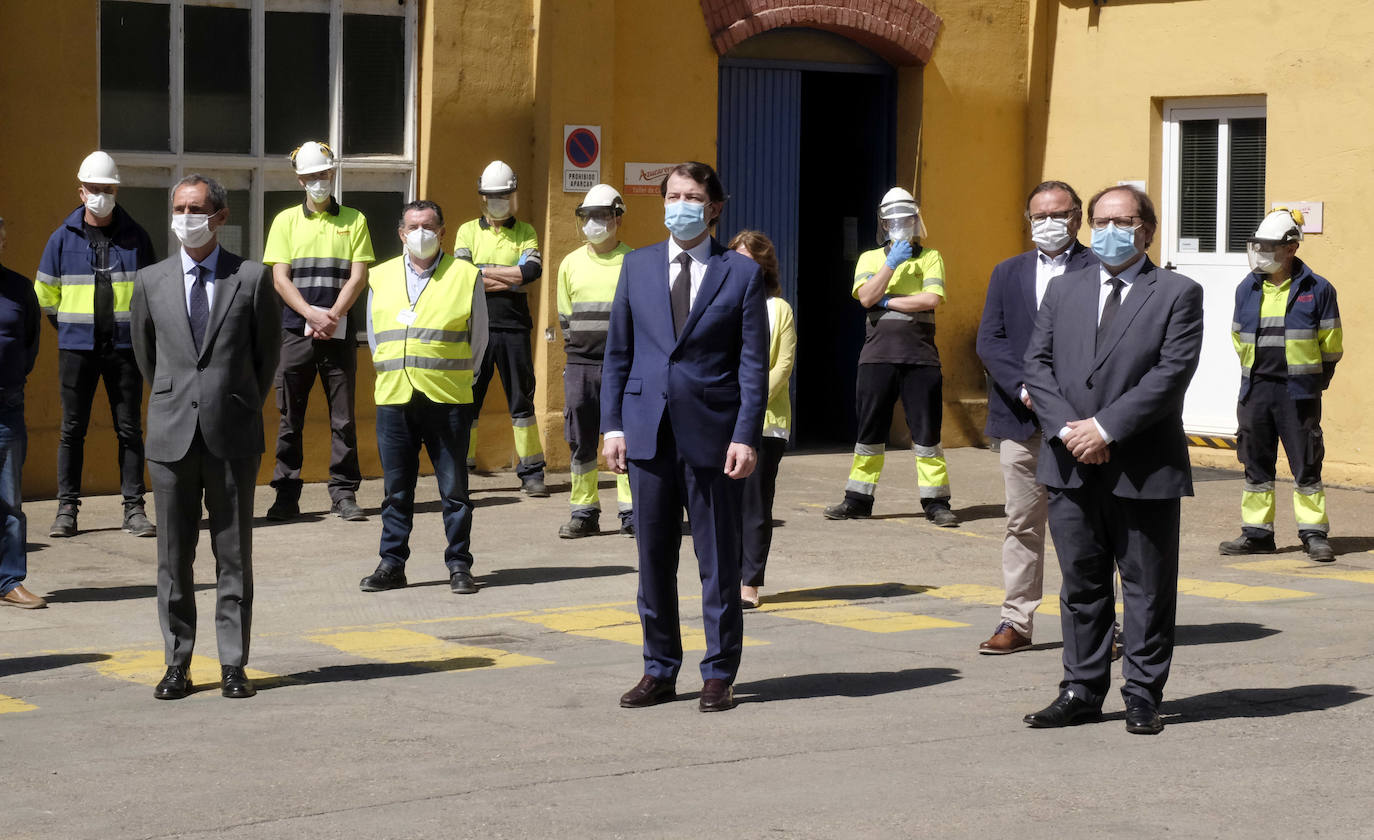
x=681, y=293
x=198, y=306
x=1109, y=309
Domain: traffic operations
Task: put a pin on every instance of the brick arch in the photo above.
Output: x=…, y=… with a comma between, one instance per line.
x=901, y=31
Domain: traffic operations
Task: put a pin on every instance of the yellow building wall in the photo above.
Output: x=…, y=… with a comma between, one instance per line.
x=1099, y=76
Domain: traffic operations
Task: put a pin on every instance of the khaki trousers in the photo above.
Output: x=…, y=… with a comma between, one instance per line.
x=1023, y=547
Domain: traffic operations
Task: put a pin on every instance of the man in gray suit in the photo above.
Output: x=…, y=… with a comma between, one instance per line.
x=1113, y=350
x=206, y=333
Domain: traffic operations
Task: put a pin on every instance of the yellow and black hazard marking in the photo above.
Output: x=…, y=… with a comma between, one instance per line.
x=1213, y=441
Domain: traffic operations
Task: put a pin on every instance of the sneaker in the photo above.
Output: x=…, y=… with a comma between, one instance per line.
x=942, y=516
x=346, y=509
x=1248, y=545
x=65, y=523
x=386, y=577
x=534, y=488
x=847, y=509
x=136, y=523
x=284, y=509
x=1318, y=549
x=580, y=526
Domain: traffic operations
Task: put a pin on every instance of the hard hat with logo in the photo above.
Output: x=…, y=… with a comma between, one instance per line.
x=1281, y=226
x=496, y=179
x=98, y=168
x=601, y=197
x=313, y=157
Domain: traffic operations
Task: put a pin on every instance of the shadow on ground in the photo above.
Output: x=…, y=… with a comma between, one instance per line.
x=47, y=662
x=1258, y=702
x=88, y=594
x=809, y=686
x=541, y=574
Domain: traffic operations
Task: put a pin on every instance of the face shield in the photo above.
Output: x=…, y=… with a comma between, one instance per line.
x=597, y=224
x=499, y=207
x=893, y=227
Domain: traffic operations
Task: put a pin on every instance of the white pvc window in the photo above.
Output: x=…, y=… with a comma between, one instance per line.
x=244, y=82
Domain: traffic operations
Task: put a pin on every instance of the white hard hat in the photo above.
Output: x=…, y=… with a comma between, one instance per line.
x=497, y=178
x=98, y=168
x=602, y=197
x=312, y=157
x=1281, y=225
x=897, y=202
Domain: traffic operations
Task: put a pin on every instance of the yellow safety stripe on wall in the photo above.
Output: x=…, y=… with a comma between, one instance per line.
x=1212, y=441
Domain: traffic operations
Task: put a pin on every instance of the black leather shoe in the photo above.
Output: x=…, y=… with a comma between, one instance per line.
x=1066, y=710
x=580, y=526
x=1319, y=549
x=649, y=691
x=716, y=696
x=1247, y=545
x=175, y=684
x=1141, y=717
x=461, y=583
x=347, y=509
x=386, y=577
x=234, y=683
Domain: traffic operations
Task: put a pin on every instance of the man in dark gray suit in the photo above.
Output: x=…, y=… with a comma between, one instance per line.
x=1113, y=350
x=206, y=333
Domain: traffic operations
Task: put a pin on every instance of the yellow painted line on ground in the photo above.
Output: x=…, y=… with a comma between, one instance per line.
x=407, y=647
x=1304, y=568
x=983, y=596
x=867, y=619
x=9, y=705
x=1237, y=591
x=146, y=667
x=611, y=625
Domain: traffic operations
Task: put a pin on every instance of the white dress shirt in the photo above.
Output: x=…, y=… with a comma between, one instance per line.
x=1046, y=269
x=700, y=254
x=188, y=266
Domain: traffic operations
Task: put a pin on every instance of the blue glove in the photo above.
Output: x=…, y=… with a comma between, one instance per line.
x=900, y=253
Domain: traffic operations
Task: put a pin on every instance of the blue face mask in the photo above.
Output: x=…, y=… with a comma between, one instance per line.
x=1114, y=246
x=685, y=219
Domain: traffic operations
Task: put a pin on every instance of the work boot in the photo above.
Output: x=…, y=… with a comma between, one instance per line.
x=136, y=522
x=1318, y=548
x=627, y=526
x=941, y=515
x=285, y=508
x=347, y=509
x=1248, y=545
x=65, y=523
x=580, y=526
x=848, y=509
x=534, y=487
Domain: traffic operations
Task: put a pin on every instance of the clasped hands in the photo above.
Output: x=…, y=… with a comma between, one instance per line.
x=1085, y=443
x=320, y=323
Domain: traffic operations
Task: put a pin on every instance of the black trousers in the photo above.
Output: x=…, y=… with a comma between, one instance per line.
x=1267, y=416
x=79, y=372
x=508, y=352
x=336, y=364
x=757, y=513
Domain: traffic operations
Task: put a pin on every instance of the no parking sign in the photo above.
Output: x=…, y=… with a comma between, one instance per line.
x=581, y=157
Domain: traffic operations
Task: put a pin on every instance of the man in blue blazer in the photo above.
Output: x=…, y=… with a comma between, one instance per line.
x=683, y=391
x=1017, y=286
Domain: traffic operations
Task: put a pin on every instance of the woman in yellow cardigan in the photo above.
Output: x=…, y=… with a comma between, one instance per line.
x=777, y=420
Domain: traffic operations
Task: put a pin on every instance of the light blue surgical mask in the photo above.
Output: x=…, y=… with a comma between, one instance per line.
x=685, y=219
x=1114, y=246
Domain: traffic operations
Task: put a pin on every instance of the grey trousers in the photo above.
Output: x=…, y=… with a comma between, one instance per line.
x=1023, y=546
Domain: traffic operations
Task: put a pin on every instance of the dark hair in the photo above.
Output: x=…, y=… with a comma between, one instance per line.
x=421, y=204
x=760, y=247
x=701, y=173
x=1049, y=186
x=1145, y=207
x=219, y=199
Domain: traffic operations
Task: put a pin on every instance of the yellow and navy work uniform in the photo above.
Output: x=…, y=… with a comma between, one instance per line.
x=509, y=243
x=425, y=329
x=320, y=249
x=756, y=511
x=586, y=287
x=84, y=283
x=899, y=361
x=1288, y=337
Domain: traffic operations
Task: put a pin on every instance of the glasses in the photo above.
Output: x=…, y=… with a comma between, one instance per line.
x=1119, y=222
x=1059, y=216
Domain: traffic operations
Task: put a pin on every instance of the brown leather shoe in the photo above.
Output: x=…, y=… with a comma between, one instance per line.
x=1005, y=640
x=649, y=691
x=23, y=599
x=716, y=696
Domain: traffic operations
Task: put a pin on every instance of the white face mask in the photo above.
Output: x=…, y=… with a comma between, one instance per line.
x=596, y=231
x=100, y=204
x=901, y=230
x=319, y=189
x=1050, y=234
x=193, y=229
x=1263, y=261
x=422, y=243
x=498, y=209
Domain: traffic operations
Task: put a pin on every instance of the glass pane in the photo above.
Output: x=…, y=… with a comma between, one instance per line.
x=1245, y=198
x=135, y=76
x=151, y=208
x=374, y=85
x=382, y=210
x=217, y=112
x=273, y=202
x=297, y=80
x=1197, y=184
x=233, y=234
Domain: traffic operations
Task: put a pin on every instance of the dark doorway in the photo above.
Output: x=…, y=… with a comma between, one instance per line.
x=806, y=150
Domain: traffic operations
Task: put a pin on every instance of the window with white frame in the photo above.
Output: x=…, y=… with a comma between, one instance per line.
x=1217, y=193
x=229, y=88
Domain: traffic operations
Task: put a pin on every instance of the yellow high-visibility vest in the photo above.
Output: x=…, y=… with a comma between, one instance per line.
x=432, y=353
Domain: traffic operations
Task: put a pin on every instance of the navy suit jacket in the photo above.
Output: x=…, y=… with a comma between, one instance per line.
x=711, y=382
x=1008, y=320
x=1133, y=383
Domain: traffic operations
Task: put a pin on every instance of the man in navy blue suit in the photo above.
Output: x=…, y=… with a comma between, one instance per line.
x=1014, y=293
x=683, y=390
